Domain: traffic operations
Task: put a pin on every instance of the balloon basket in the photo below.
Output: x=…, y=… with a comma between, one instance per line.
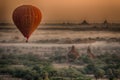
x=27, y=41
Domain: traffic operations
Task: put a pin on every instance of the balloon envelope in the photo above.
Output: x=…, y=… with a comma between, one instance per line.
x=27, y=19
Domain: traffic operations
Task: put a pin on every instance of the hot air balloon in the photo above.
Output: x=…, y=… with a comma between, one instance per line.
x=27, y=18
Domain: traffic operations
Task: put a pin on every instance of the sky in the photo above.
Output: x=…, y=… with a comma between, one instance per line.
x=59, y=11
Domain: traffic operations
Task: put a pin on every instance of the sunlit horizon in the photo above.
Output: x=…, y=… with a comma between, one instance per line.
x=66, y=11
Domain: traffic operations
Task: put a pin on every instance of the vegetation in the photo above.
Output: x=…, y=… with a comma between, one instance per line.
x=33, y=67
x=105, y=66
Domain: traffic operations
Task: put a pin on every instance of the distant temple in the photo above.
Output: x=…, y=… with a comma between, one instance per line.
x=90, y=54
x=73, y=54
x=105, y=24
x=84, y=22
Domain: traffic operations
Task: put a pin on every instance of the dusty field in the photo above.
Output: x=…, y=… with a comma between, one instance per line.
x=45, y=50
x=61, y=34
x=56, y=38
x=67, y=65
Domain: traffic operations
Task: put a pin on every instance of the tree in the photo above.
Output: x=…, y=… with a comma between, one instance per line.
x=45, y=76
x=99, y=73
x=110, y=74
x=117, y=73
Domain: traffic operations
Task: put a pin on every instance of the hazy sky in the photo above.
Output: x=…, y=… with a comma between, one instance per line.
x=66, y=10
